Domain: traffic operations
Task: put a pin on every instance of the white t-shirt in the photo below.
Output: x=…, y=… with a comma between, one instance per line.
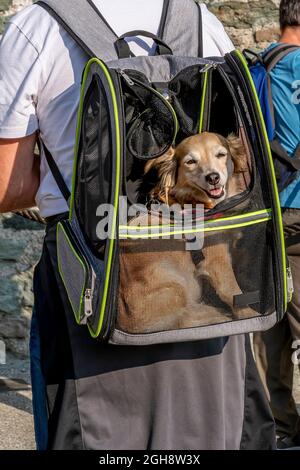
x=40, y=74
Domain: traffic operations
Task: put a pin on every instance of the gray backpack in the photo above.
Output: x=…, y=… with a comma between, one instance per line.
x=174, y=231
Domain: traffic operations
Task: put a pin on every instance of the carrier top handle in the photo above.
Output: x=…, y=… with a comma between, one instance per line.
x=123, y=49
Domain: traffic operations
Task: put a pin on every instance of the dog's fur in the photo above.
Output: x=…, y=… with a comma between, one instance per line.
x=163, y=291
x=182, y=172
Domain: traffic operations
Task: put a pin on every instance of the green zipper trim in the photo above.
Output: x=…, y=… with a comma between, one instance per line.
x=173, y=113
x=77, y=316
x=277, y=200
x=78, y=132
x=202, y=108
x=206, y=222
x=96, y=333
x=192, y=231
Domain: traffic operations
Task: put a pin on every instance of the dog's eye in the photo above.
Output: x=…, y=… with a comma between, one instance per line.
x=190, y=162
x=222, y=154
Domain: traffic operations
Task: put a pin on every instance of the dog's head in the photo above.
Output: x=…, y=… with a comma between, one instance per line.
x=198, y=170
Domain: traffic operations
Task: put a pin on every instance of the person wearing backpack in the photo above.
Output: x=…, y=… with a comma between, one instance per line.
x=89, y=395
x=274, y=348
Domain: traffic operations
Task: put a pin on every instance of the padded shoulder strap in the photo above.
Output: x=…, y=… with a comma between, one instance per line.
x=183, y=28
x=280, y=152
x=85, y=24
x=276, y=54
x=270, y=59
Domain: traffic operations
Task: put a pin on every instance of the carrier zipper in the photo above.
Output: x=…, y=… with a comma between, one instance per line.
x=88, y=295
x=126, y=78
x=111, y=309
x=207, y=67
x=205, y=99
x=88, y=305
x=229, y=86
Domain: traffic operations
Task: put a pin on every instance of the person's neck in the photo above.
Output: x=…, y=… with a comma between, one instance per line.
x=291, y=35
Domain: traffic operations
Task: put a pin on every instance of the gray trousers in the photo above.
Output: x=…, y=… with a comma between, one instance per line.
x=273, y=348
x=194, y=395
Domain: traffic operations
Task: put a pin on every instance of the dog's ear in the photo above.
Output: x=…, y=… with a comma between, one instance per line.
x=165, y=168
x=238, y=153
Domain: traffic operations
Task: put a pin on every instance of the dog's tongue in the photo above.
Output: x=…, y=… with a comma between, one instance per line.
x=216, y=192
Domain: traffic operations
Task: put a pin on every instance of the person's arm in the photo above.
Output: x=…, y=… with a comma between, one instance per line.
x=19, y=173
x=20, y=72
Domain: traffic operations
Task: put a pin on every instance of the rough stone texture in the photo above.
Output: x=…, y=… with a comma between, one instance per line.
x=20, y=247
x=250, y=23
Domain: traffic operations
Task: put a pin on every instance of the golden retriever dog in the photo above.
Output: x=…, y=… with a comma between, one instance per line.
x=203, y=169
x=161, y=284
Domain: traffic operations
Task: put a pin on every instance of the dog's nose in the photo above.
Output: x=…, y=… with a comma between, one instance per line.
x=213, y=178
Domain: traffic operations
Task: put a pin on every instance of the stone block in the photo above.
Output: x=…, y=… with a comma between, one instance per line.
x=11, y=250
x=267, y=35
x=11, y=295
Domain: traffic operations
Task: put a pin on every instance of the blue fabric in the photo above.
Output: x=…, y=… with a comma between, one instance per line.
x=38, y=387
x=259, y=75
x=285, y=86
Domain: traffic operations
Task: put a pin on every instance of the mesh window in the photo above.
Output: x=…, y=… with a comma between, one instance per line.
x=95, y=160
x=185, y=93
x=165, y=287
x=151, y=126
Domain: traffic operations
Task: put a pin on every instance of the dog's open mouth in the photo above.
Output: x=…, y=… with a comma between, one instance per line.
x=215, y=193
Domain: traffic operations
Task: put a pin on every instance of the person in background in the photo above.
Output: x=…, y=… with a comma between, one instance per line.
x=274, y=348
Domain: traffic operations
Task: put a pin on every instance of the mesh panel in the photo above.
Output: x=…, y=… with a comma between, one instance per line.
x=165, y=287
x=95, y=160
x=150, y=123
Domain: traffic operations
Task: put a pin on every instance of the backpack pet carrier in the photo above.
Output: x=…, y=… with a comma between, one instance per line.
x=174, y=232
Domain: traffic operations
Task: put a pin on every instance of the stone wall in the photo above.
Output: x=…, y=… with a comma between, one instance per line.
x=20, y=248
x=250, y=23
